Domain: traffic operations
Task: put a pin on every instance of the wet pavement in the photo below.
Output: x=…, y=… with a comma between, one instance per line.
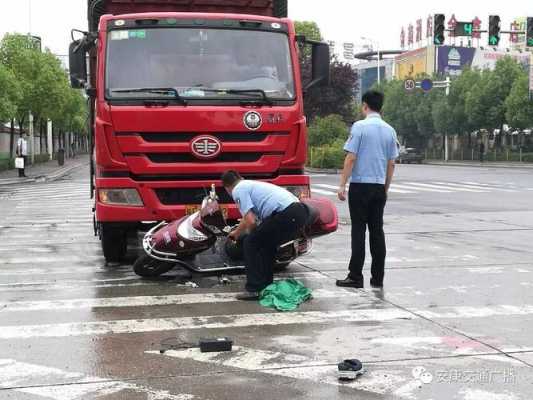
x=453, y=322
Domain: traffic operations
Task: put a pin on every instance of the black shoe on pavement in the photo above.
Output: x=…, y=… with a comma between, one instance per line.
x=248, y=296
x=349, y=370
x=349, y=282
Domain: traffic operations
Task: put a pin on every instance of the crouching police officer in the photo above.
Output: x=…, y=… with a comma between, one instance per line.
x=271, y=216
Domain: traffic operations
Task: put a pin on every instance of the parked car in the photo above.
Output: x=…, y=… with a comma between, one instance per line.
x=410, y=155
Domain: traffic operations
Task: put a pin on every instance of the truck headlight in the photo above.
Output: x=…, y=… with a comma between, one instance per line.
x=301, y=192
x=121, y=197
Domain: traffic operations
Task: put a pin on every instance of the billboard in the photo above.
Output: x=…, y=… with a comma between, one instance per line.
x=486, y=59
x=415, y=62
x=452, y=60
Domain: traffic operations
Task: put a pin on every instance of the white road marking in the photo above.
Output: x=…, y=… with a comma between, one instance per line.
x=145, y=301
x=409, y=186
x=392, y=189
x=198, y=322
x=448, y=187
x=484, y=188
x=70, y=385
x=294, y=366
x=480, y=394
x=323, y=192
x=246, y=320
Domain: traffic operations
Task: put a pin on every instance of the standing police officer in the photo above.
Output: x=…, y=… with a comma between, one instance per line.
x=271, y=216
x=371, y=153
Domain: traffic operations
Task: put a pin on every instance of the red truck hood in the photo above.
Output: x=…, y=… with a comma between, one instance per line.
x=159, y=141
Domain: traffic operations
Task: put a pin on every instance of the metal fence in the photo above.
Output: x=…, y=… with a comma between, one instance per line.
x=507, y=155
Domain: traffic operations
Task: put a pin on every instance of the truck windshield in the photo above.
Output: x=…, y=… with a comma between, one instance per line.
x=199, y=63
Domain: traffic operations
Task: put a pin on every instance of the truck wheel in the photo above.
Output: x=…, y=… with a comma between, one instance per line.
x=114, y=242
x=280, y=9
x=147, y=267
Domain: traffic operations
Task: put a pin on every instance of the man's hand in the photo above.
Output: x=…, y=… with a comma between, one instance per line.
x=233, y=235
x=341, y=193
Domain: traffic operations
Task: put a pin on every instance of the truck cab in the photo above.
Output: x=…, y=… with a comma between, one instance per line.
x=181, y=91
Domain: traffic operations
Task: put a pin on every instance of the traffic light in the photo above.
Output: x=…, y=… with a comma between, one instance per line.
x=439, y=21
x=494, y=30
x=529, y=32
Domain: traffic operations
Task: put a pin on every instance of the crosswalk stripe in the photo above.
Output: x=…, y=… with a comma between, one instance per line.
x=146, y=301
x=20, y=377
x=408, y=186
x=94, y=328
x=324, y=192
x=295, y=366
x=486, y=188
x=392, y=189
x=199, y=322
x=442, y=186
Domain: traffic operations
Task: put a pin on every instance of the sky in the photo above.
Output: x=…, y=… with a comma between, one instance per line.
x=339, y=20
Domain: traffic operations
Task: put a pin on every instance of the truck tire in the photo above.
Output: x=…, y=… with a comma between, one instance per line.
x=280, y=9
x=147, y=267
x=114, y=242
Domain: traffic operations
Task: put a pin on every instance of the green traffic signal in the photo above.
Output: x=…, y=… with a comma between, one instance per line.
x=494, y=30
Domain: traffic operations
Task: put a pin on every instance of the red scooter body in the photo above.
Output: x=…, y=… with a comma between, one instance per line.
x=178, y=242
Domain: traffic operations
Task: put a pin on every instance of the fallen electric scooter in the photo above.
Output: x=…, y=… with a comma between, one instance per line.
x=181, y=242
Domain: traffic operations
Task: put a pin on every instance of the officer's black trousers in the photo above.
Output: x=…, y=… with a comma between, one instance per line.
x=261, y=244
x=367, y=203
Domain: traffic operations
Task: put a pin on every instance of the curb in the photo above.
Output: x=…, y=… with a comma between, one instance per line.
x=323, y=171
x=46, y=178
x=62, y=172
x=478, y=165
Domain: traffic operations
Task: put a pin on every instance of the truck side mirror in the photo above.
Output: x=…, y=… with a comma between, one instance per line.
x=320, y=65
x=77, y=65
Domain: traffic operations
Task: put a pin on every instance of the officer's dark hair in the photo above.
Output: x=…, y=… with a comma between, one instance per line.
x=230, y=178
x=374, y=100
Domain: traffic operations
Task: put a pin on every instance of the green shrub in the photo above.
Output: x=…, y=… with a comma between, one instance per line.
x=328, y=156
x=325, y=130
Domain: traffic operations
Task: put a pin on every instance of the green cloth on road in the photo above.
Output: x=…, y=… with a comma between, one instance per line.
x=284, y=295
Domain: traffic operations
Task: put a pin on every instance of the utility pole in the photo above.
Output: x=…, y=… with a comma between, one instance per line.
x=30, y=115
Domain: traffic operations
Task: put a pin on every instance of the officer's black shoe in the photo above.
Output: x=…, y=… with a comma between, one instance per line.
x=248, y=296
x=349, y=282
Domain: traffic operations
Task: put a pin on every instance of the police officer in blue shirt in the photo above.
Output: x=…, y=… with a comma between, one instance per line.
x=271, y=216
x=371, y=152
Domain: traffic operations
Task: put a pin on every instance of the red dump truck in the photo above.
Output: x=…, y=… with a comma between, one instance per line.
x=181, y=90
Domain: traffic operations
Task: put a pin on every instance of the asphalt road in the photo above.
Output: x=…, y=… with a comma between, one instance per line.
x=458, y=302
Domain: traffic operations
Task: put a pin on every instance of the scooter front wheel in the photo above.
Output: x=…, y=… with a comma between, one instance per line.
x=147, y=267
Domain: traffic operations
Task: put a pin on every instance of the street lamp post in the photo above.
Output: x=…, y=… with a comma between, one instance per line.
x=374, y=42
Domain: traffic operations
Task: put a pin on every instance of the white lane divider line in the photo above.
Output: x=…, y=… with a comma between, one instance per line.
x=65, y=385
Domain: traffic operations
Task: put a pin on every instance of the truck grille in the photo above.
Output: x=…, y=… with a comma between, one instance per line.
x=223, y=137
x=162, y=158
x=182, y=196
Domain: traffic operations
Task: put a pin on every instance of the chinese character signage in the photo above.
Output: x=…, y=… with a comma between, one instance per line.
x=418, y=30
x=402, y=38
x=410, y=35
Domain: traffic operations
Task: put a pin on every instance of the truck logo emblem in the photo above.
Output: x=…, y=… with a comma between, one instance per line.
x=206, y=147
x=253, y=120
